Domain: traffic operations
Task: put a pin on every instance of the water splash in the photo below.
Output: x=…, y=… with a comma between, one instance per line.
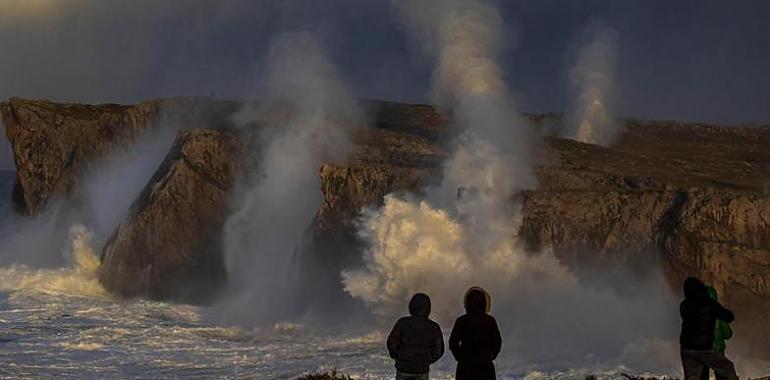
x=78, y=278
x=463, y=228
x=592, y=82
x=415, y=247
x=277, y=200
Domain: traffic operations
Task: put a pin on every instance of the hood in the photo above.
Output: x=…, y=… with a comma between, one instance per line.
x=419, y=306
x=694, y=288
x=477, y=300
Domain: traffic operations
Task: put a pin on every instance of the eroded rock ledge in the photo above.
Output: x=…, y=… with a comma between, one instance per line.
x=169, y=246
x=53, y=143
x=696, y=197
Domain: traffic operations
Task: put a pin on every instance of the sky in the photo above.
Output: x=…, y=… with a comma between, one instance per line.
x=690, y=60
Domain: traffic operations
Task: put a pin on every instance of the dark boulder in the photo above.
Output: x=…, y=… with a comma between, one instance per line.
x=169, y=246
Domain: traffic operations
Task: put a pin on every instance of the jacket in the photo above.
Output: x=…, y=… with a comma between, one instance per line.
x=475, y=340
x=699, y=316
x=415, y=341
x=722, y=330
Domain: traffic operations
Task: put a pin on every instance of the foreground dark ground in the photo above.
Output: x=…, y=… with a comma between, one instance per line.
x=335, y=376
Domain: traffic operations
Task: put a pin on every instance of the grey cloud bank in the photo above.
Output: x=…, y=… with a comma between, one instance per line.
x=690, y=60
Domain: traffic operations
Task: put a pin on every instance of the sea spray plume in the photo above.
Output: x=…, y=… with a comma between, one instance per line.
x=112, y=184
x=304, y=121
x=416, y=246
x=489, y=162
x=76, y=278
x=464, y=231
x=550, y=316
x=100, y=200
x=592, y=87
x=464, y=40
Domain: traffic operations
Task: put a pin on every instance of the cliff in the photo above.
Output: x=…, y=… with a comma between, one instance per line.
x=53, y=143
x=168, y=247
x=694, y=197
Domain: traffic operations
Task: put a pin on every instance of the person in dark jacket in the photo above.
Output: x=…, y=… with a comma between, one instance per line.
x=416, y=341
x=699, y=316
x=475, y=340
x=722, y=332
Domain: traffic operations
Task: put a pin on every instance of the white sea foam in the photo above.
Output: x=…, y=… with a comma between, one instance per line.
x=63, y=331
x=78, y=278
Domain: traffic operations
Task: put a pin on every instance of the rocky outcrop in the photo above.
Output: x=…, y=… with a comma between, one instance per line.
x=51, y=142
x=724, y=238
x=695, y=197
x=54, y=143
x=169, y=246
x=402, y=152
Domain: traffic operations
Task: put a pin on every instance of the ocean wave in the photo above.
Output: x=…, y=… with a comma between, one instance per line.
x=77, y=279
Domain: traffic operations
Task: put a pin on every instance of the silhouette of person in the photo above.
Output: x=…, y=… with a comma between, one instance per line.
x=699, y=316
x=722, y=332
x=416, y=341
x=475, y=340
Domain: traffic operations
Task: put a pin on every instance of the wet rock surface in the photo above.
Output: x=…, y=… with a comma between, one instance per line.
x=694, y=197
x=169, y=246
x=54, y=143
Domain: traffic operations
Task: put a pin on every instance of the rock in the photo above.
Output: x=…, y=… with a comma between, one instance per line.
x=169, y=246
x=724, y=238
x=667, y=191
x=692, y=196
x=333, y=375
x=402, y=152
x=54, y=143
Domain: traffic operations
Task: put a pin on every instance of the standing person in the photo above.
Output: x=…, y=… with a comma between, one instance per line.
x=699, y=316
x=475, y=340
x=416, y=341
x=722, y=332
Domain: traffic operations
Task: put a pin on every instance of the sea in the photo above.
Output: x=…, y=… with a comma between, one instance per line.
x=58, y=323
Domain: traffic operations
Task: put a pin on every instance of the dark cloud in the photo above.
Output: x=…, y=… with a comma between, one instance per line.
x=687, y=59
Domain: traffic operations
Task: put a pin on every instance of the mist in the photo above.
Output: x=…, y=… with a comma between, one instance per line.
x=479, y=61
x=303, y=121
x=76, y=276
x=101, y=199
x=489, y=162
x=463, y=232
x=590, y=117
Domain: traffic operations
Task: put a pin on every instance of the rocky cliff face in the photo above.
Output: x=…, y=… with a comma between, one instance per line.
x=694, y=197
x=169, y=246
x=54, y=143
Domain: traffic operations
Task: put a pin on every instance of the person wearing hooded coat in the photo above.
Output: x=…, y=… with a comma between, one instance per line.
x=722, y=332
x=416, y=342
x=475, y=340
x=700, y=314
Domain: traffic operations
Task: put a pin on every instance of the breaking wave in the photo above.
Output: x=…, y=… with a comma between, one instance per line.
x=550, y=316
x=78, y=278
x=415, y=247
